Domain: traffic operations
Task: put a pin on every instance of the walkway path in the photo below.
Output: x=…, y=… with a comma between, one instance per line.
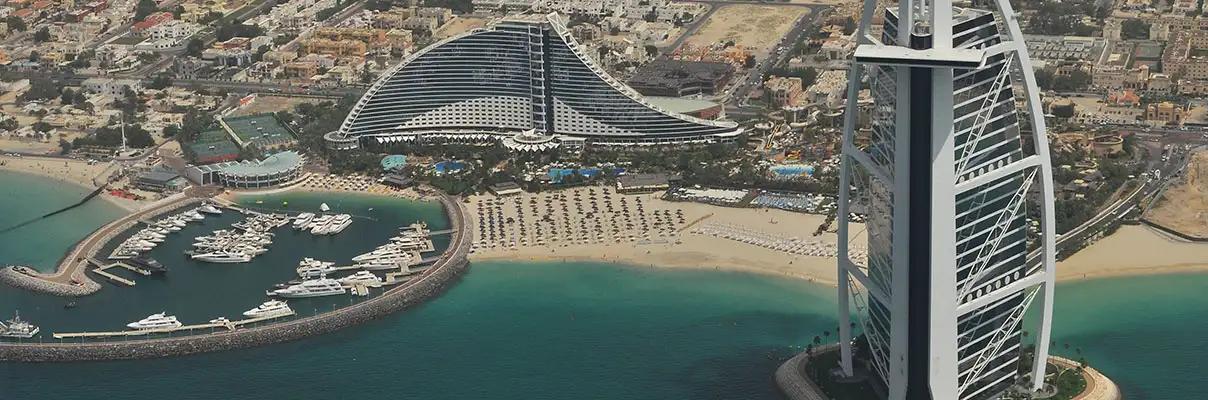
x=70, y=274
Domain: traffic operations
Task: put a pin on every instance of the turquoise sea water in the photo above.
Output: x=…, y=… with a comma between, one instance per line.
x=41, y=244
x=557, y=331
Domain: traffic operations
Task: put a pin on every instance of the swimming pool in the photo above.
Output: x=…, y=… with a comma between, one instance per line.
x=793, y=170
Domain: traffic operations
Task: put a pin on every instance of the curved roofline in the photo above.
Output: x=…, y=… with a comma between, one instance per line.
x=555, y=21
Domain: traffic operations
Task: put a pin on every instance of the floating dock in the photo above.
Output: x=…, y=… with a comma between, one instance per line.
x=231, y=325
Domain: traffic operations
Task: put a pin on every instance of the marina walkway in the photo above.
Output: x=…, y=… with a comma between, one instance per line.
x=71, y=268
x=229, y=325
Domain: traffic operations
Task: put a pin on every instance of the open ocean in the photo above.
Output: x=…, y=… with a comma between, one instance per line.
x=519, y=330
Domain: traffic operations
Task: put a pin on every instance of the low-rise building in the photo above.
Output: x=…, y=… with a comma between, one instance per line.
x=1164, y=113
x=111, y=87
x=160, y=180
x=681, y=78
x=829, y=88
x=273, y=170
x=644, y=183
x=783, y=91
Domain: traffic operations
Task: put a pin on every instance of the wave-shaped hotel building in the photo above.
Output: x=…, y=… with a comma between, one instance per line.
x=523, y=81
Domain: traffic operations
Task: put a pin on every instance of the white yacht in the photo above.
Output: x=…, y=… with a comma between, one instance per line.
x=222, y=257
x=16, y=328
x=302, y=219
x=209, y=209
x=338, y=224
x=155, y=321
x=220, y=321
x=361, y=278
x=319, y=224
x=271, y=308
x=312, y=268
x=311, y=288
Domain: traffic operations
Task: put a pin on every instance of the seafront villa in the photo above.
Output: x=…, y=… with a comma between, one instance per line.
x=524, y=81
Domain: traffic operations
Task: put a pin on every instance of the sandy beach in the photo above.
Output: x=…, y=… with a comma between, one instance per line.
x=1133, y=250
x=75, y=172
x=668, y=240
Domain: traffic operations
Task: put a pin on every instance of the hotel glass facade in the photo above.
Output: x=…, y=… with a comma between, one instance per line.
x=947, y=182
x=520, y=74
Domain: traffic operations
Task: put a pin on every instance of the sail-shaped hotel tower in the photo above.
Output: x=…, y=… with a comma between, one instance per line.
x=952, y=171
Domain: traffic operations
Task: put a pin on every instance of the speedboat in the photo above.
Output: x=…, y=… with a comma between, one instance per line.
x=155, y=321
x=311, y=288
x=271, y=308
x=220, y=321
x=16, y=328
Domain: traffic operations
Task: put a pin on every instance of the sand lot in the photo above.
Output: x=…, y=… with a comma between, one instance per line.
x=1184, y=206
x=756, y=27
x=458, y=25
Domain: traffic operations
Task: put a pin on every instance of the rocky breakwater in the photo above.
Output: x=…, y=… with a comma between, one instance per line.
x=443, y=273
x=27, y=278
x=69, y=278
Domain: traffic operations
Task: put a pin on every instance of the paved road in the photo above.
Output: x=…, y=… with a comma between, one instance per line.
x=1147, y=188
x=779, y=54
x=75, y=79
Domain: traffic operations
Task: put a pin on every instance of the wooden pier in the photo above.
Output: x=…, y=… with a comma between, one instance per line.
x=103, y=270
x=230, y=325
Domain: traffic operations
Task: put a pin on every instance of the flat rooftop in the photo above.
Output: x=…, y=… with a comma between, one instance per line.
x=263, y=130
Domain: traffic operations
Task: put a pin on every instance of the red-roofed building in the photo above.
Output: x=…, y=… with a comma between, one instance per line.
x=26, y=15
x=151, y=21
x=42, y=5
x=1126, y=97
